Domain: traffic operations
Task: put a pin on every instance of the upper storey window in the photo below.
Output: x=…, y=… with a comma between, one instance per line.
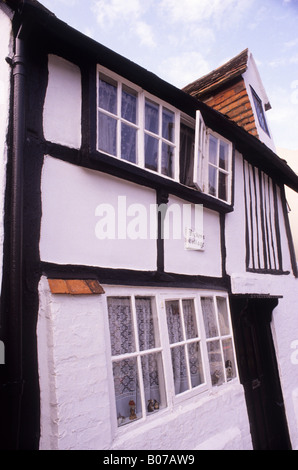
x=137, y=127
x=141, y=129
x=260, y=111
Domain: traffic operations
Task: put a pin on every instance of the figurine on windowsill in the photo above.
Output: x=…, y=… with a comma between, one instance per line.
x=156, y=405
x=150, y=406
x=132, y=410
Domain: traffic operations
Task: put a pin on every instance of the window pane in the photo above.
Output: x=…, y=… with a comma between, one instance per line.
x=129, y=105
x=187, y=145
x=151, y=117
x=128, y=143
x=215, y=362
x=151, y=152
x=168, y=120
x=213, y=149
x=190, y=322
x=229, y=358
x=179, y=369
x=212, y=180
x=121, y=326
x=107, y=127
x=223, y=155
x=145, y=324
x=153, y=379
x=209, y=317
x=195, y=364
x=174, y=321
x=126, y=384
x=107, y=95
x=167, y=160
x=223, y=316
x=222, y=186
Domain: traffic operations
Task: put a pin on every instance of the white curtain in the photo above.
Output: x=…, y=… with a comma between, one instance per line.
x=125, y=372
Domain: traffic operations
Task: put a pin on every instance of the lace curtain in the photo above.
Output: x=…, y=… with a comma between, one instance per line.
x=178, y=353
x=107, y=125
x=125, y=371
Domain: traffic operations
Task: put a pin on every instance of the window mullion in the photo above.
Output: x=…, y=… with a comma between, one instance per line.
x=141, y=132
x=119, y=95
x=139, y=361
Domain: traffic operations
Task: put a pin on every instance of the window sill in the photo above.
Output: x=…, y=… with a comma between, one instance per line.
x=131, y=172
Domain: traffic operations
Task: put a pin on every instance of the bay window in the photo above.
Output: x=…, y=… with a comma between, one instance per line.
x=165, y=349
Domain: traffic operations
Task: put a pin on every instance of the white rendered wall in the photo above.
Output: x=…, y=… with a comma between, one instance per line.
x=77, y=396
x=5, y=38
x=205, y=262
x=63, y=103
x=71, y=196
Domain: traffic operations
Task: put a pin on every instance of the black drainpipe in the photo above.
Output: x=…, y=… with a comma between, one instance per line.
x=12, y=388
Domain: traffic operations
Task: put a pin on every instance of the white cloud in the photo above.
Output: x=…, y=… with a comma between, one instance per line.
x=145, y=33
x=183, y=69
x=109, y=12
x=193, y=11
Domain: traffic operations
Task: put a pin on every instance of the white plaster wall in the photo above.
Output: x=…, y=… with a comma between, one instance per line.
x=235, y=223
x=75, y=403
x=77, y=398
x=63, y=103
x=181, y=260
x=70, y=197
x=285, y=335
x=5, y=38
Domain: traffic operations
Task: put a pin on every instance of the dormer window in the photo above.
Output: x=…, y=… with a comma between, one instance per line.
x=260, y=111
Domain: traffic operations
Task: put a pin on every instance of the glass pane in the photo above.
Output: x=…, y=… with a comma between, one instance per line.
x=213, y=149
x=179, y=369
x=223, y=316
x=153, y=379
x=174, y=321
x=187, y=145
x=229, y=358
x=129, y=105
x=121, y=326
x=167, y=160
x=222, y=186
x=126, y=384
x=190, y=321
x=107, y=95
x=107, y=127
x=145, y=324
x=209, y=317
x=151, y=117
x=168, y=120
x=212, y=180
x=128, y=143
x=151, y=152
x=223, y=155
x=215, y=362
x=195, y=364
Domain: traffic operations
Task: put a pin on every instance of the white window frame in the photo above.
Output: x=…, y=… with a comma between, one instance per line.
x=201, y=160
x=159, y=297
x=142, y=95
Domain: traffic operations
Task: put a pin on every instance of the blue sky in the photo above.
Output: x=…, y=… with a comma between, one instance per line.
x=183, y=40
